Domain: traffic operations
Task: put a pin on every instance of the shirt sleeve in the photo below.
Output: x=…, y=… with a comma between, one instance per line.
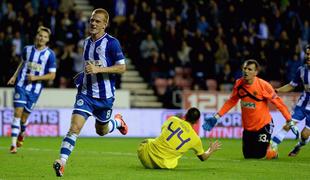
x=24, y=54
x=52, y=62
x=116, y=52
x=270, y=94
x=198, y=148
x=297, y=79
x=231, y=102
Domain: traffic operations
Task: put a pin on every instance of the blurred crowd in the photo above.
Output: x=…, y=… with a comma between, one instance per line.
x=18, y=23
x=176, y=44
x=201, y=45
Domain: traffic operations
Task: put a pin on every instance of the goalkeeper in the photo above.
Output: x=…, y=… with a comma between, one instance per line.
x=257, y=123
x=177, y=137
x=302, y=108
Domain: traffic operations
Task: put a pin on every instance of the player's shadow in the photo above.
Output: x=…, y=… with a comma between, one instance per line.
x=178, y=169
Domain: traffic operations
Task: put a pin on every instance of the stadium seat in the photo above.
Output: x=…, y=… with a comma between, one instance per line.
x=211, y=84
x=161, y=85
x=226, y=87
x=275, y=84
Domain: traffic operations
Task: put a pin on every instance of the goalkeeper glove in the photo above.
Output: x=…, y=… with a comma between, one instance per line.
x=210, y=122
x=293, y=128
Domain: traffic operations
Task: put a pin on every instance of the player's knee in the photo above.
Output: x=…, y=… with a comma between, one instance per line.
x=101, y=128
x=286, y=127
x=75, y=129
x=101, y=132
x=305, y=134
x=18, y=112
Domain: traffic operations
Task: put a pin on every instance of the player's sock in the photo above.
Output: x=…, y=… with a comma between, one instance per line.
x=15, y=130
x=278, y=138
x=302, y=142
x=67, y=146
x=113, y=124
x=23, y=126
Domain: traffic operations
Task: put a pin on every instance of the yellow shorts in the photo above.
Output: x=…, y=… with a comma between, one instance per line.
x=143, y=154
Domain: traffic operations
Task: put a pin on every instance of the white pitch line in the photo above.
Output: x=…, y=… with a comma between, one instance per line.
x=135, y=155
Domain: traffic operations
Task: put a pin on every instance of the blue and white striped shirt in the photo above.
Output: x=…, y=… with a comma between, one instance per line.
x=303, y=77
x=104, y=52
x=38, y=63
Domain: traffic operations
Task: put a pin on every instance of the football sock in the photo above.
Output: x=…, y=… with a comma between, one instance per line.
x=113, y=124
x=278, y=138
x=23, y=126
x=67, y=146
x=302, y=142
x=15, y=130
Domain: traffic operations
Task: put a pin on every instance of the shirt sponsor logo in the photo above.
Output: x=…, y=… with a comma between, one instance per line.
x=250, y=105
x=34, y=66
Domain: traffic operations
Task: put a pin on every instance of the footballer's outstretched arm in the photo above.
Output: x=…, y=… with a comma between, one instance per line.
x=214, y=146
x=13, y=78
x=285, y=88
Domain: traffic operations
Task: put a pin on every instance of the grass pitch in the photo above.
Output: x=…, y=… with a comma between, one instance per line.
x=116, y=159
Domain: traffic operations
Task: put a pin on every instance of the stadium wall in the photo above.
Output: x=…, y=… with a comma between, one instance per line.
x=60, y=98
x=141, y=122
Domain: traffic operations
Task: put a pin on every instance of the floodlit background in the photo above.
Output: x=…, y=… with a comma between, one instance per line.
x=179, y=53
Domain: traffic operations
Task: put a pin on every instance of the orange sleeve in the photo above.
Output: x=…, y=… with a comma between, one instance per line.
x=270, y=94
x=231, y=102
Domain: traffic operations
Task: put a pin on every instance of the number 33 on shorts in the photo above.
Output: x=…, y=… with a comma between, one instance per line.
x=262, y=138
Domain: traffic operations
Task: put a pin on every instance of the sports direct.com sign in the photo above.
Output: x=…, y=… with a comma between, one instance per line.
x=42, y=122
x=141, y=123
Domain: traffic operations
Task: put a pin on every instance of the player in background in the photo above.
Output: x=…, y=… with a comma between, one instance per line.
x=301, y=110
x=177, y=137
x=96, y=86
x=254, y=94
x=38, y=64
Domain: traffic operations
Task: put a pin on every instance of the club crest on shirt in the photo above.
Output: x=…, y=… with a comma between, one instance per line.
x=43, y=58
x=255, y=93
x=99, y=50
x=17, y=96
x=80, y=102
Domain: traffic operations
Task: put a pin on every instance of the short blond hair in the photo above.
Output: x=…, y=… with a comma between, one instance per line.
x=102, y=11
x=42, y=28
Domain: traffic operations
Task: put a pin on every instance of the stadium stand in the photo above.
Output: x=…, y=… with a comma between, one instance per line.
x=209, y=39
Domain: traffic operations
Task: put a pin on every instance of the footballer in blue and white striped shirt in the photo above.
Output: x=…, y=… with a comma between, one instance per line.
x=103, y=59
x=38, y=64
x=301, y=110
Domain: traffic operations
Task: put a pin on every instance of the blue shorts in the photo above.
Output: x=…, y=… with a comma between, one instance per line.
x=299, y=114
x=87, y=106
x=25, y=99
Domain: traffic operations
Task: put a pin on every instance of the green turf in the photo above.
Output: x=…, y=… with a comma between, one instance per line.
x=115, y=158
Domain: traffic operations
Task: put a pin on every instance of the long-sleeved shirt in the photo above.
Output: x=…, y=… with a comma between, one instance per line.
x=254, y=103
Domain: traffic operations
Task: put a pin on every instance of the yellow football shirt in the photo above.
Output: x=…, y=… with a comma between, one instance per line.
x=177, y=137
